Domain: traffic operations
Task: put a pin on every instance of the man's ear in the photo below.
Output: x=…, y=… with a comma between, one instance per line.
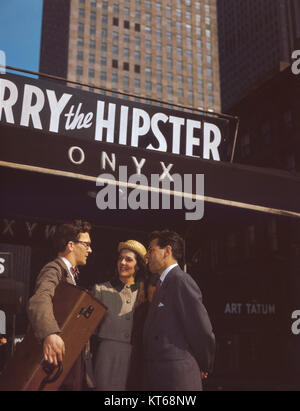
x=69, y=246
x=168, y=250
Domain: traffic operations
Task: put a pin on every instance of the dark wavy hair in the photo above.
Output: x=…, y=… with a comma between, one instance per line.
x=69, y=232
x=168, y=237
x=142, y=272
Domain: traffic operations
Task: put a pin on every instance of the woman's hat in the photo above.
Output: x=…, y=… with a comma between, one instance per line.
x=134, y=246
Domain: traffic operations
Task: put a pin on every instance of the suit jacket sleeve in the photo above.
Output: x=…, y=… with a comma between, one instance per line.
x=196, y=323
x=40, y=307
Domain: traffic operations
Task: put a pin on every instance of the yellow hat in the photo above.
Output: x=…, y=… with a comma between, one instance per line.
x=134, y=246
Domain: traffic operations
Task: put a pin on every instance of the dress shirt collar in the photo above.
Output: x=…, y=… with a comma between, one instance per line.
x=119, y=285
x=167, y=270
x=69, y=266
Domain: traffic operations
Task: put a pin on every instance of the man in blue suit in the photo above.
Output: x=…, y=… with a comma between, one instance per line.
x=179, y=344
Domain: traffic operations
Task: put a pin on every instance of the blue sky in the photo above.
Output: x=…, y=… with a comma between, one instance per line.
x=20, y=32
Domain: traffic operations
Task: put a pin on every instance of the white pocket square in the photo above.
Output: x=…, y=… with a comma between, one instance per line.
x=161, y=305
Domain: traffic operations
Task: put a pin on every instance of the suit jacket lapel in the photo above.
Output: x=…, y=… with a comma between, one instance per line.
x=65, y=272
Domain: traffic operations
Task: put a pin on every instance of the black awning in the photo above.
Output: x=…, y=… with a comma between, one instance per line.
x=38, y=179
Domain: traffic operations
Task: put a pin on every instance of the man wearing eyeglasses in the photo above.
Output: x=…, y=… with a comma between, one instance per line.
x=73, y=245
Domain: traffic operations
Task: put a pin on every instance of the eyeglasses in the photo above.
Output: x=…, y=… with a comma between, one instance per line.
x=87, y=244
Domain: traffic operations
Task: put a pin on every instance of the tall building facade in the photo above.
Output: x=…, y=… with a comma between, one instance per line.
x=256, y=38
x=163, y=49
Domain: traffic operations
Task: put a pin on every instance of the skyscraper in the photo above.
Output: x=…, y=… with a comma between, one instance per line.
x=162, y=49
x=256, y=39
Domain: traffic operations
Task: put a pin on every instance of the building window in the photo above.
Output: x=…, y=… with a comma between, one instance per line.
x=169, y=89
x=92, y=44
x=115, y=63
x=79, y=55
x=114, y=77
x=91, y=58
x=148, y=44
x=169, y=49
x=115, y=49
x=159, y=87
x=137, y=68
x=137, y=55
x=80, y=27
x=126, y=11
x=80, y=41
x=115, y=36
x=189, y=68
x=115, y=21
x=169, y=36
x=93, y=16
x=210, y=85
x=210, y=99
x=148, y=71
x=126, y=81
x=79, y=70
x=137, y=27
x=116, y=8
x=104, y=46
x=169, y=76
x=148, y=85
x=159, y=74
x=158, y=6
x=126, y=24
x=126, y=38
x=137, y=83
x=103, y=61
x=93, y=29
x=158, y=46
x=126, y=52
x=103, y=33
x=189, y=54
x=159, y=60
x=91, y=72
x=103, y=75
x=81, y=13
x=126, y=66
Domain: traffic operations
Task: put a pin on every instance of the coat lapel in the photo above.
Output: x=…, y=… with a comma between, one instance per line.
x=65, y=272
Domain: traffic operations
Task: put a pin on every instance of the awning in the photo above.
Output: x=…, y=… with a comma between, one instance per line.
x=39, y=179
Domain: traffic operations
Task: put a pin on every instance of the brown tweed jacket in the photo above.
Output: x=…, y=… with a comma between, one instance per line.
x=40, y=307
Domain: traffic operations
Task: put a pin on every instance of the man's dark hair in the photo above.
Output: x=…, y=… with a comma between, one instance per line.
x=167, y=237
x=69, y=232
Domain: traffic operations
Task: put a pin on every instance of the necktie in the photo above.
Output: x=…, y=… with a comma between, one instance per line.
x=75, y=272
x=158, y=284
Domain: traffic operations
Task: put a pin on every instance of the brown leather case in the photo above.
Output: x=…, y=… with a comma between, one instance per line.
x=78, y=313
